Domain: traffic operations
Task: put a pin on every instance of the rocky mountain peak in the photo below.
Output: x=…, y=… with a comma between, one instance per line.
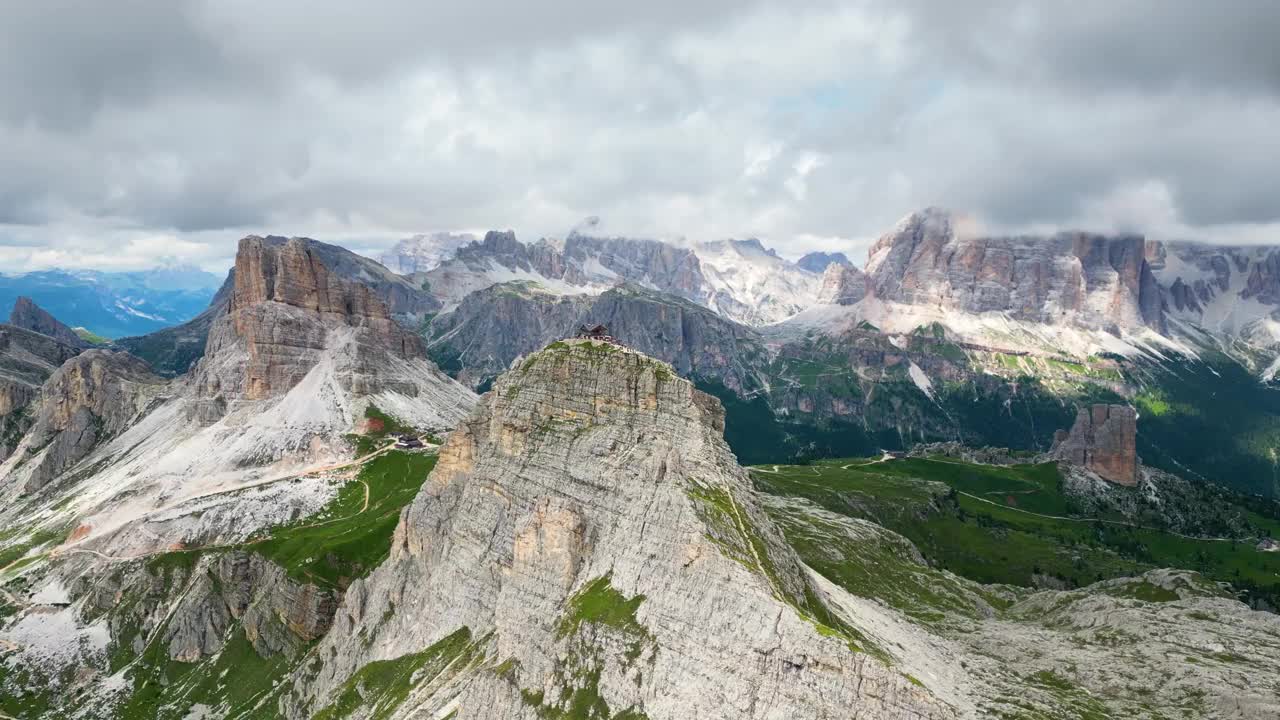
x=842, y=285
x=753, y=245
x=592, y=475
x=288, y=306
x=292, y=272
x=92, y=396
x=1095, y=281
x=29, y=316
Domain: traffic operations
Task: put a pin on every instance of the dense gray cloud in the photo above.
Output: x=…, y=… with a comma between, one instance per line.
x=146, y=128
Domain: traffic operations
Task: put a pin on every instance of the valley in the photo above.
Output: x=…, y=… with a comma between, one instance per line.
x=1020, y=478
x=1019, y=525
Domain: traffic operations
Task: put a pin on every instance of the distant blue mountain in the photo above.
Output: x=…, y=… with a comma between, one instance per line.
x=115, y=304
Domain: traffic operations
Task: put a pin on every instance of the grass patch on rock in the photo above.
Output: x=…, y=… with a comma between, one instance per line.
x=378, y=689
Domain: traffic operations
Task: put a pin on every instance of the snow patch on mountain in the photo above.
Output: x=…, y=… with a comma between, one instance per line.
x=425, y=252
x=920, y=379
x=752, y=285
x=991, y=330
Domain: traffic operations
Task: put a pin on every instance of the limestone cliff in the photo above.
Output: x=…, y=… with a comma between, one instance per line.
x=309, y=265
x=26, y=314
x=192, y=610
x=1104, y=440
x=286, y=308
x=842, y=284
x=93, y=396
x=588, y=541
x=1224, y=289
x=27, y=359
x=1069, y=278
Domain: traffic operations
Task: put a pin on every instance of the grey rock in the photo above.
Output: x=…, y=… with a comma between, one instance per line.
x=27, y=359
x=492, y=327
x=287, y=306
x=26, y=314
x=843, y=285
x=93, y=396
x=194, y=607
x=587, y=462
x=175, y=350
x=1084, y=279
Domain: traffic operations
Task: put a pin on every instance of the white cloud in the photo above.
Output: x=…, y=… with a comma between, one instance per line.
x=810, y=125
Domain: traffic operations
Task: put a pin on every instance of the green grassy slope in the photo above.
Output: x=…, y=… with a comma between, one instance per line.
x=1014, y=524
x=1211, y=419
x=341, y=543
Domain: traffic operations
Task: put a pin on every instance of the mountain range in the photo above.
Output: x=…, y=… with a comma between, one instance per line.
x=1018, y=477
x=115, y=304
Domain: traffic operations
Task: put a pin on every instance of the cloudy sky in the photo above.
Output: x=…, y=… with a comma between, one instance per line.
x=137, y=132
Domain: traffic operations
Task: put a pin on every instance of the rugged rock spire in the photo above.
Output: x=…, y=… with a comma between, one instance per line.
x=1104, y=440
x=842, y=285
x=289, y=310
x=587, y=540
x=27, y=315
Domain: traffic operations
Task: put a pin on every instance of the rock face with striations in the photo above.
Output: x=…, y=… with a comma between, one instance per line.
x=26, y=314
x=590, y=537
x=93, y=396
x=492, y=327
x=286, y=309
x=1070, y=278
x=842, y=285
x=27, y=359
x=1104, y=440
x=175, y=350
x=221, y=592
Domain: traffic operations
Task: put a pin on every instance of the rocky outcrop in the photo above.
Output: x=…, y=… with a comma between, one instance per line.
x=589, y=530
x=1224, y=289
x=191, y=609
x=490, y=328
x=1069, y=278
x=27, y=359
x=93, y=396
x=750, y=284
x=843, y=285
x=739, y=279
x=26, y=314
x=405, y=299
x=1103, y=440
x=286, y=307
x=667, y=268
x=309, y=265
